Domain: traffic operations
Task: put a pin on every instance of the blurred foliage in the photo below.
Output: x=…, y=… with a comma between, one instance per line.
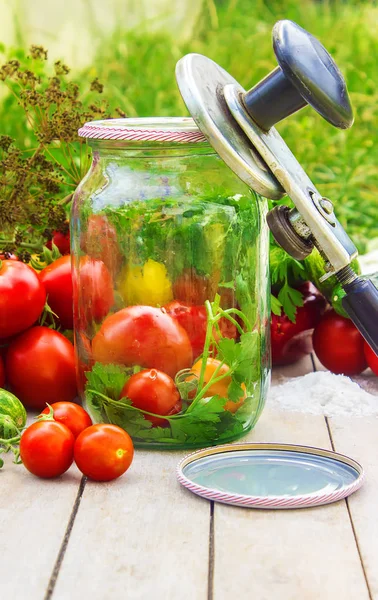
x=137, y=70
x=42, y=160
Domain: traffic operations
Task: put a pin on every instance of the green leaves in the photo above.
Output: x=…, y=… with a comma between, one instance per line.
x=290, y=298
x=285, y=273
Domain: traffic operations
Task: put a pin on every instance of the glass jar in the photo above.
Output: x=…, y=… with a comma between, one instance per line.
x=171, y=294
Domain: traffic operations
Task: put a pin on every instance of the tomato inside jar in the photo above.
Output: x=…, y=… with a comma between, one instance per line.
x=171, y=340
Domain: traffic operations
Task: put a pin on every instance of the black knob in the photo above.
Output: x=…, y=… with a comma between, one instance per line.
x=361, y=304
x=306, y=74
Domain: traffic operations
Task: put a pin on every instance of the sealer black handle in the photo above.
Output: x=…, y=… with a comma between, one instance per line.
x=361, y=304
x=307, y=74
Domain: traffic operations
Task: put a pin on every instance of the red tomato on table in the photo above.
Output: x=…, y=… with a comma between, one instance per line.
x=155, y=392
x=339, y=345
x=71, y=415
x=57, y=279
x=144, y=336
x=40, y=367
x=46, y=449
x=103, y=452
x=22, y=297
x=61, y=241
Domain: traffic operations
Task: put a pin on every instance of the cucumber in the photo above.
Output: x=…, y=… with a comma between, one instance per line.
x=8, y=428
x=13, y=408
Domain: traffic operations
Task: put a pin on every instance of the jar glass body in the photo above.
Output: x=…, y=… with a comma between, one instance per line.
x=171, y=294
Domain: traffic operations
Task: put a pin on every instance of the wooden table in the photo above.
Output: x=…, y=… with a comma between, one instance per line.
x=145, y=537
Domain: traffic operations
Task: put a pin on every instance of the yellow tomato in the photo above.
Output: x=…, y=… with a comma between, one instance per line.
x=220, y=387
x=148, y=285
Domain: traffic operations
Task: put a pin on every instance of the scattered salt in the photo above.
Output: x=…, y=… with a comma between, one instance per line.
x=323, y=393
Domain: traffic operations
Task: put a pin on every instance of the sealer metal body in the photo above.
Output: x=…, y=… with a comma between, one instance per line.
x=239, y=124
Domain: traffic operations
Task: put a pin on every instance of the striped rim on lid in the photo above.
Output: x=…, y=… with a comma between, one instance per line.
x=163, y=129
x=269, y=476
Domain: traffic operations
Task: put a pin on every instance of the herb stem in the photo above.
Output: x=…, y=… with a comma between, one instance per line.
x=27, y=245
x=240, y=314
x=209, y=335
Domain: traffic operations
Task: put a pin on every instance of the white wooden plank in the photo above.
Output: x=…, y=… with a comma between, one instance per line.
x=301, y=367
x=34, y=514
x=287, y=555
x=141, y=536
x=358, y=438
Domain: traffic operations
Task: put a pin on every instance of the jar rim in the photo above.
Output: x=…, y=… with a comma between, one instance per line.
x=156, y=129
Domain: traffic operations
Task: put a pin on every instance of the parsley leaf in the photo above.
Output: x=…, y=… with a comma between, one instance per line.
x=290, y=299
x=275, y=305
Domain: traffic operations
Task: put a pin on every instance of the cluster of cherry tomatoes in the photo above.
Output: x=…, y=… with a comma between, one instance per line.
x=64, y=433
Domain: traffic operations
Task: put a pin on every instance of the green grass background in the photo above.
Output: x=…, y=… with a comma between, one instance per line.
x=137, y=69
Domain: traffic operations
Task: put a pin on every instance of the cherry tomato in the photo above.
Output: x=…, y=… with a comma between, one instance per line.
x=2, y=373
x=103, y=452
x=193, y=288
x=93, y=291
x=57, y=280
x=47, y=449
x=291, y=341
x=100, y=242
x=371, y=358
x=220, y=388
x=22, y=297
x=40, y=367
x=71, y=415
x=144, y=336
x=61, y=239
x=339, y=345
x=193, y=319
x=155, y=392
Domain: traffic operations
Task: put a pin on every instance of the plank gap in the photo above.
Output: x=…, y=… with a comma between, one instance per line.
x=313, y=362
x=63, y=548
x=358, y=549
x=350, y=518
x=329, y=432
x=210, y=584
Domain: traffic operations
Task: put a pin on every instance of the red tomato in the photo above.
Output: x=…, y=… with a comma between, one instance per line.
x=144, y=336
x=46, y=449
x=155, y=392
x=103, y=452
x=71, y=415
x=292, y=341
x=40, y=367
x=193, y=319
x=93, y=291
x=57, y=279
x=371, y=357
x=2, y=373
x=339, y=345
x=100, y=242
x=22, y=297
x=61, y=241
x=193, y=288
